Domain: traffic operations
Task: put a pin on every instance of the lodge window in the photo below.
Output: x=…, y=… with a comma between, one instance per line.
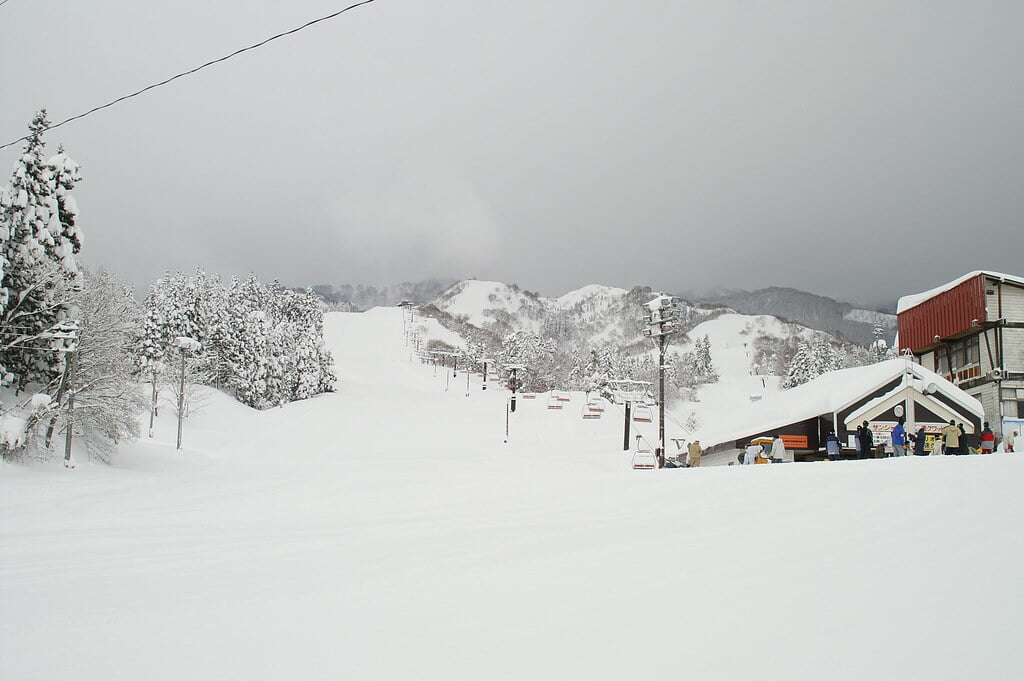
x=960, y=359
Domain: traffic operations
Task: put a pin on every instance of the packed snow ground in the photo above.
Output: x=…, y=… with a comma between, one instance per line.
x=387, y=532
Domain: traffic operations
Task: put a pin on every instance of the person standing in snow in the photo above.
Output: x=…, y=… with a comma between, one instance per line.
x=750, y=455
x=899, y=440
x=695, y=451
x=832, y=447
x=778, y=450
x=866, y=442
x=919, y=442
x=1008, y=441
x=857, y=441
x=951, y=437
x=988, y=440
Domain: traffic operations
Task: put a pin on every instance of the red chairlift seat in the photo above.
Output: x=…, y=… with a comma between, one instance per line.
x=642, y=414
x=554, y=402
x=644, y=460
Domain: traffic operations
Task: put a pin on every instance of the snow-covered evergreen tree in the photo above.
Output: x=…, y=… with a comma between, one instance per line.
x=38, y=239
x=801, y=368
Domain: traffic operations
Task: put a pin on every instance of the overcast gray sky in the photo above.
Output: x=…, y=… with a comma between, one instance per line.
x=862, y=150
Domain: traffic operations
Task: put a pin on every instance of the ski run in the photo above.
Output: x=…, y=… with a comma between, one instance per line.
x=389, y=531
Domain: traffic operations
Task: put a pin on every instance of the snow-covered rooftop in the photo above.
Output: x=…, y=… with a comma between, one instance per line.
x=907, y=302
x=829, y=393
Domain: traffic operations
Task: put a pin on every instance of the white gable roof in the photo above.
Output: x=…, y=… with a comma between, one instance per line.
x=829, y=393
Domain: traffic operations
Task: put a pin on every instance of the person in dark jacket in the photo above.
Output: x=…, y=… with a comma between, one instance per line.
x=866, y=441
x=832, y=447
x=919, y=439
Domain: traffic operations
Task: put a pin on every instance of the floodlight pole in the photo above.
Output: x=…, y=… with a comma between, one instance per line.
x=661, y=321
x=661, y=401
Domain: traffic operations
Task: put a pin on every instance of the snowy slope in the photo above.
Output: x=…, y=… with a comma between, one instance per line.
x=386, y=531
x=484, y=303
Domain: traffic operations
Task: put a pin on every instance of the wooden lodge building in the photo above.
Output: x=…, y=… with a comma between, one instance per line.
x=971, y=332
x=841, y=400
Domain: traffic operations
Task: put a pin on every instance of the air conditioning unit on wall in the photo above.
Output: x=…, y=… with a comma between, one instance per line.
x=997, y=374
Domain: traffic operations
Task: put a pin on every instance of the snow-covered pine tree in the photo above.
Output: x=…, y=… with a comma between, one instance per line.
x=801, y=368
x=67, y=236
x=827, y=357
x=703, y=367
x=37, y=260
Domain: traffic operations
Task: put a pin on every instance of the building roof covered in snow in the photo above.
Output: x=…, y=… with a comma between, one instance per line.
x=852, y=395
x=907, y=302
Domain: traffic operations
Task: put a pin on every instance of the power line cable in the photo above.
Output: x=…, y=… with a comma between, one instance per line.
x=191, y=71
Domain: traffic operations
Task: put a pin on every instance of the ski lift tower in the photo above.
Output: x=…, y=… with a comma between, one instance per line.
x=661, y=321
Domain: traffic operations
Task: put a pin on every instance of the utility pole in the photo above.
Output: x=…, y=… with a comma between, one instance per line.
x=661, y=321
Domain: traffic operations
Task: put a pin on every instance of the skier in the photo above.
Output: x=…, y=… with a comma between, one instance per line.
x=695, y=451
x=832, y=446
x=988, y=440
x=778, y=450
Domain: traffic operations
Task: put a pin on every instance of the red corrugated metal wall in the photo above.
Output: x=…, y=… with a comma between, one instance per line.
x=944, y=315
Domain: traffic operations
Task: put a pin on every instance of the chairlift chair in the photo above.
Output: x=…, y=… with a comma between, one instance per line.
x=529, y=396
x=554, y=402
x=644, y=460
x=642, y=414
x=563, y=397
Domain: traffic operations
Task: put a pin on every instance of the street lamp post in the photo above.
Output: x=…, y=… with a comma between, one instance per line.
x=485, y=360
x=513, y=383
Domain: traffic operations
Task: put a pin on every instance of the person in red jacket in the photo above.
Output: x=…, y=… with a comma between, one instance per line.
x=988, y=440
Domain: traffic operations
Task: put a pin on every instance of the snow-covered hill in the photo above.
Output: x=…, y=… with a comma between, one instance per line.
x=388, y=531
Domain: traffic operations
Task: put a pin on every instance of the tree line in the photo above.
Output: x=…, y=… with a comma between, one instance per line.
x=79, y=353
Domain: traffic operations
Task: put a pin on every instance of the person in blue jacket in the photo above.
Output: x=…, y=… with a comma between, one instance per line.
x=899, y=440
